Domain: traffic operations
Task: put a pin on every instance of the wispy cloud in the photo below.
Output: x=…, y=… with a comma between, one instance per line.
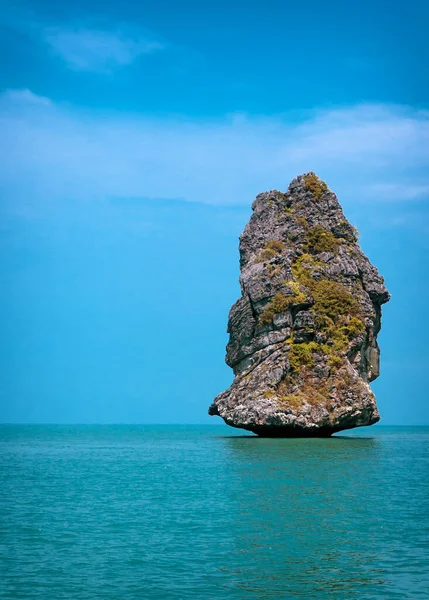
x=98, y=50
x=53, y=153
x=26, y=98
x=93, y=45
x=400, y=191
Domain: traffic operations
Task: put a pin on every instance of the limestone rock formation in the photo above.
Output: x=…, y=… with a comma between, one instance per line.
x=303, y=335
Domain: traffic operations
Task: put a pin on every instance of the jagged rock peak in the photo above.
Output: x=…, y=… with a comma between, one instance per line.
x=303, y=334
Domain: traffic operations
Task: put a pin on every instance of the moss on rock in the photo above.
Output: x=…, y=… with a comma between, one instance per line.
x=315, y=185
x=319, y=239
x=271, y=249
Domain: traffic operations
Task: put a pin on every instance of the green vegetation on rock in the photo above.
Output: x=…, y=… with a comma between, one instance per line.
x=301, y=355
x=333, y=299
x=298, y=296
x=305, y=268
x=315, y=185
x=273, y=270
x=337, y=316
x=319, y=239
x=271, y=249
x=302, y=222
x=280, y=303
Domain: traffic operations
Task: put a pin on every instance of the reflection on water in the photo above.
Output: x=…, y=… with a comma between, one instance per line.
x=327, y=518
x=306, y=516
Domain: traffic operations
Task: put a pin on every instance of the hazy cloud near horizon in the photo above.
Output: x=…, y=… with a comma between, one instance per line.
x=366, y=153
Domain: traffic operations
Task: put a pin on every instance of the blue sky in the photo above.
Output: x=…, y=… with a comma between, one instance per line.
x=134, y=139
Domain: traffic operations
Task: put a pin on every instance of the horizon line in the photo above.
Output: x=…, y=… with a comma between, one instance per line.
x=217, y=424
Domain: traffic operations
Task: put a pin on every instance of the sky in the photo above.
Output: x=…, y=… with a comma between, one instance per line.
x=134, y=138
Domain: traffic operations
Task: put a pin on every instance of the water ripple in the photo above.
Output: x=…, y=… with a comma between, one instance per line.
x=174, y=512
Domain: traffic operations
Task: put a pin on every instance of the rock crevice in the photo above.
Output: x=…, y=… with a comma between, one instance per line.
x=303, y=336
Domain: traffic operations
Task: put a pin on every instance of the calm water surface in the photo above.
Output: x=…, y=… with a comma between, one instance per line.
x=178, y=512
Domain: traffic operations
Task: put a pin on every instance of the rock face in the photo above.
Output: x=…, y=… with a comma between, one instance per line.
x=303, y=335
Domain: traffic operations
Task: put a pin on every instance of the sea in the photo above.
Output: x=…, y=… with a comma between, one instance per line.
x=175, y=512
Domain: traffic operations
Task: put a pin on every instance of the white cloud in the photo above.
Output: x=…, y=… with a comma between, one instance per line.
x=98, y=50
x=52, y=153
x=81, y=44
x=399, y=191
x=25, y=97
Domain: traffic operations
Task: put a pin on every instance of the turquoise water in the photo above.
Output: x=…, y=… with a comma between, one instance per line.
x=205, y=512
